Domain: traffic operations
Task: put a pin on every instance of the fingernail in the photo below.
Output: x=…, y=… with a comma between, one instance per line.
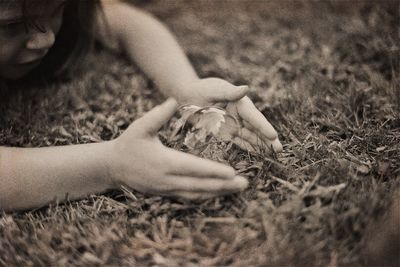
x=242, y=182
x=171, y=101
x=243, y=87
x=277, y=146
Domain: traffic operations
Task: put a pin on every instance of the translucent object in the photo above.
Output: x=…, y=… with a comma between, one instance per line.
x=207, y=129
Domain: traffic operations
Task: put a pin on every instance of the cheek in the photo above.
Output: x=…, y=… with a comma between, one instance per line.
x=56, y=24
x=10, y=49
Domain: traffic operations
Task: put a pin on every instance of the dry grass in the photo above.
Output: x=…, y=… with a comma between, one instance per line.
x=324, y=73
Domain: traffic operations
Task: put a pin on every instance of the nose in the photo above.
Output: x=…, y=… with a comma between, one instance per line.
x=39, y=40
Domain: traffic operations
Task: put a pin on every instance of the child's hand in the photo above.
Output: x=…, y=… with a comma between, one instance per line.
x=139, y=160
x=256, y=131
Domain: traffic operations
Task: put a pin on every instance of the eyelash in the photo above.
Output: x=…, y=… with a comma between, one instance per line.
x=12, y=24
x=18, y=26
x=15, y=25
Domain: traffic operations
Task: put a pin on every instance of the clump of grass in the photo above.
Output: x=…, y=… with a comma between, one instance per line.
x=322, y=73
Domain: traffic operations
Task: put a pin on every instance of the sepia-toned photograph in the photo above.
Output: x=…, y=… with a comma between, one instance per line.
x=200, y=133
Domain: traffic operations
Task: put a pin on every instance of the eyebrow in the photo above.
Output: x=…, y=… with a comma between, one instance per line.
x=20, y=17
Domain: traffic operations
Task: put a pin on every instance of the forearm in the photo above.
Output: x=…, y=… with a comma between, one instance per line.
x=154, y=49
x=32, y=177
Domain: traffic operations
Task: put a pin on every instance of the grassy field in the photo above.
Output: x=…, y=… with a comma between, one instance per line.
x=324, y=73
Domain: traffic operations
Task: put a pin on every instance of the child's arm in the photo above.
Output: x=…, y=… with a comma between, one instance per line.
x=32, y=177
x=151, y=45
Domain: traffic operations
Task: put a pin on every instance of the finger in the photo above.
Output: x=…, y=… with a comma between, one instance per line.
x=177, y=183
x=153, y=120
x=190, y=165
x=277, y=145
x=248, y=112
x=225, y=91
x=195, y=196
x=243, y=144
x=251, y=137
x=256, y=141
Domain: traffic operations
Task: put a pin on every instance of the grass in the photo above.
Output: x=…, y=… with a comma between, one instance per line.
x=324, y=73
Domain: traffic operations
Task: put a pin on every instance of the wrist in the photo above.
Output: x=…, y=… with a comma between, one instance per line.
x=183, y=91
x=106, y=163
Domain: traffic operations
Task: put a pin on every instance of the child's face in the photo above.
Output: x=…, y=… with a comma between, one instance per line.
x=22, y=45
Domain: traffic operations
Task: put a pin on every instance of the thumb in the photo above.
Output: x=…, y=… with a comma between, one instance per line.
x=153, y=120
x=229, y=92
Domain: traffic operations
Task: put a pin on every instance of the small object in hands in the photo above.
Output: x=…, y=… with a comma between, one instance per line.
x=206, y=129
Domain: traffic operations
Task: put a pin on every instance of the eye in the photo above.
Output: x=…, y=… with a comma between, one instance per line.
x=14, y=27
x=14, y=24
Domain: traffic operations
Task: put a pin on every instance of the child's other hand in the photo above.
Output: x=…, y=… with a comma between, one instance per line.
x=256, y=131
x=139, y=160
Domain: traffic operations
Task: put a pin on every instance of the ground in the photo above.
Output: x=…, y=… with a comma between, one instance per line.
x=325, y=73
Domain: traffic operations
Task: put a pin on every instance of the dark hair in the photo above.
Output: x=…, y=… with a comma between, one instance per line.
x=75, y=39
x=73, y=42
